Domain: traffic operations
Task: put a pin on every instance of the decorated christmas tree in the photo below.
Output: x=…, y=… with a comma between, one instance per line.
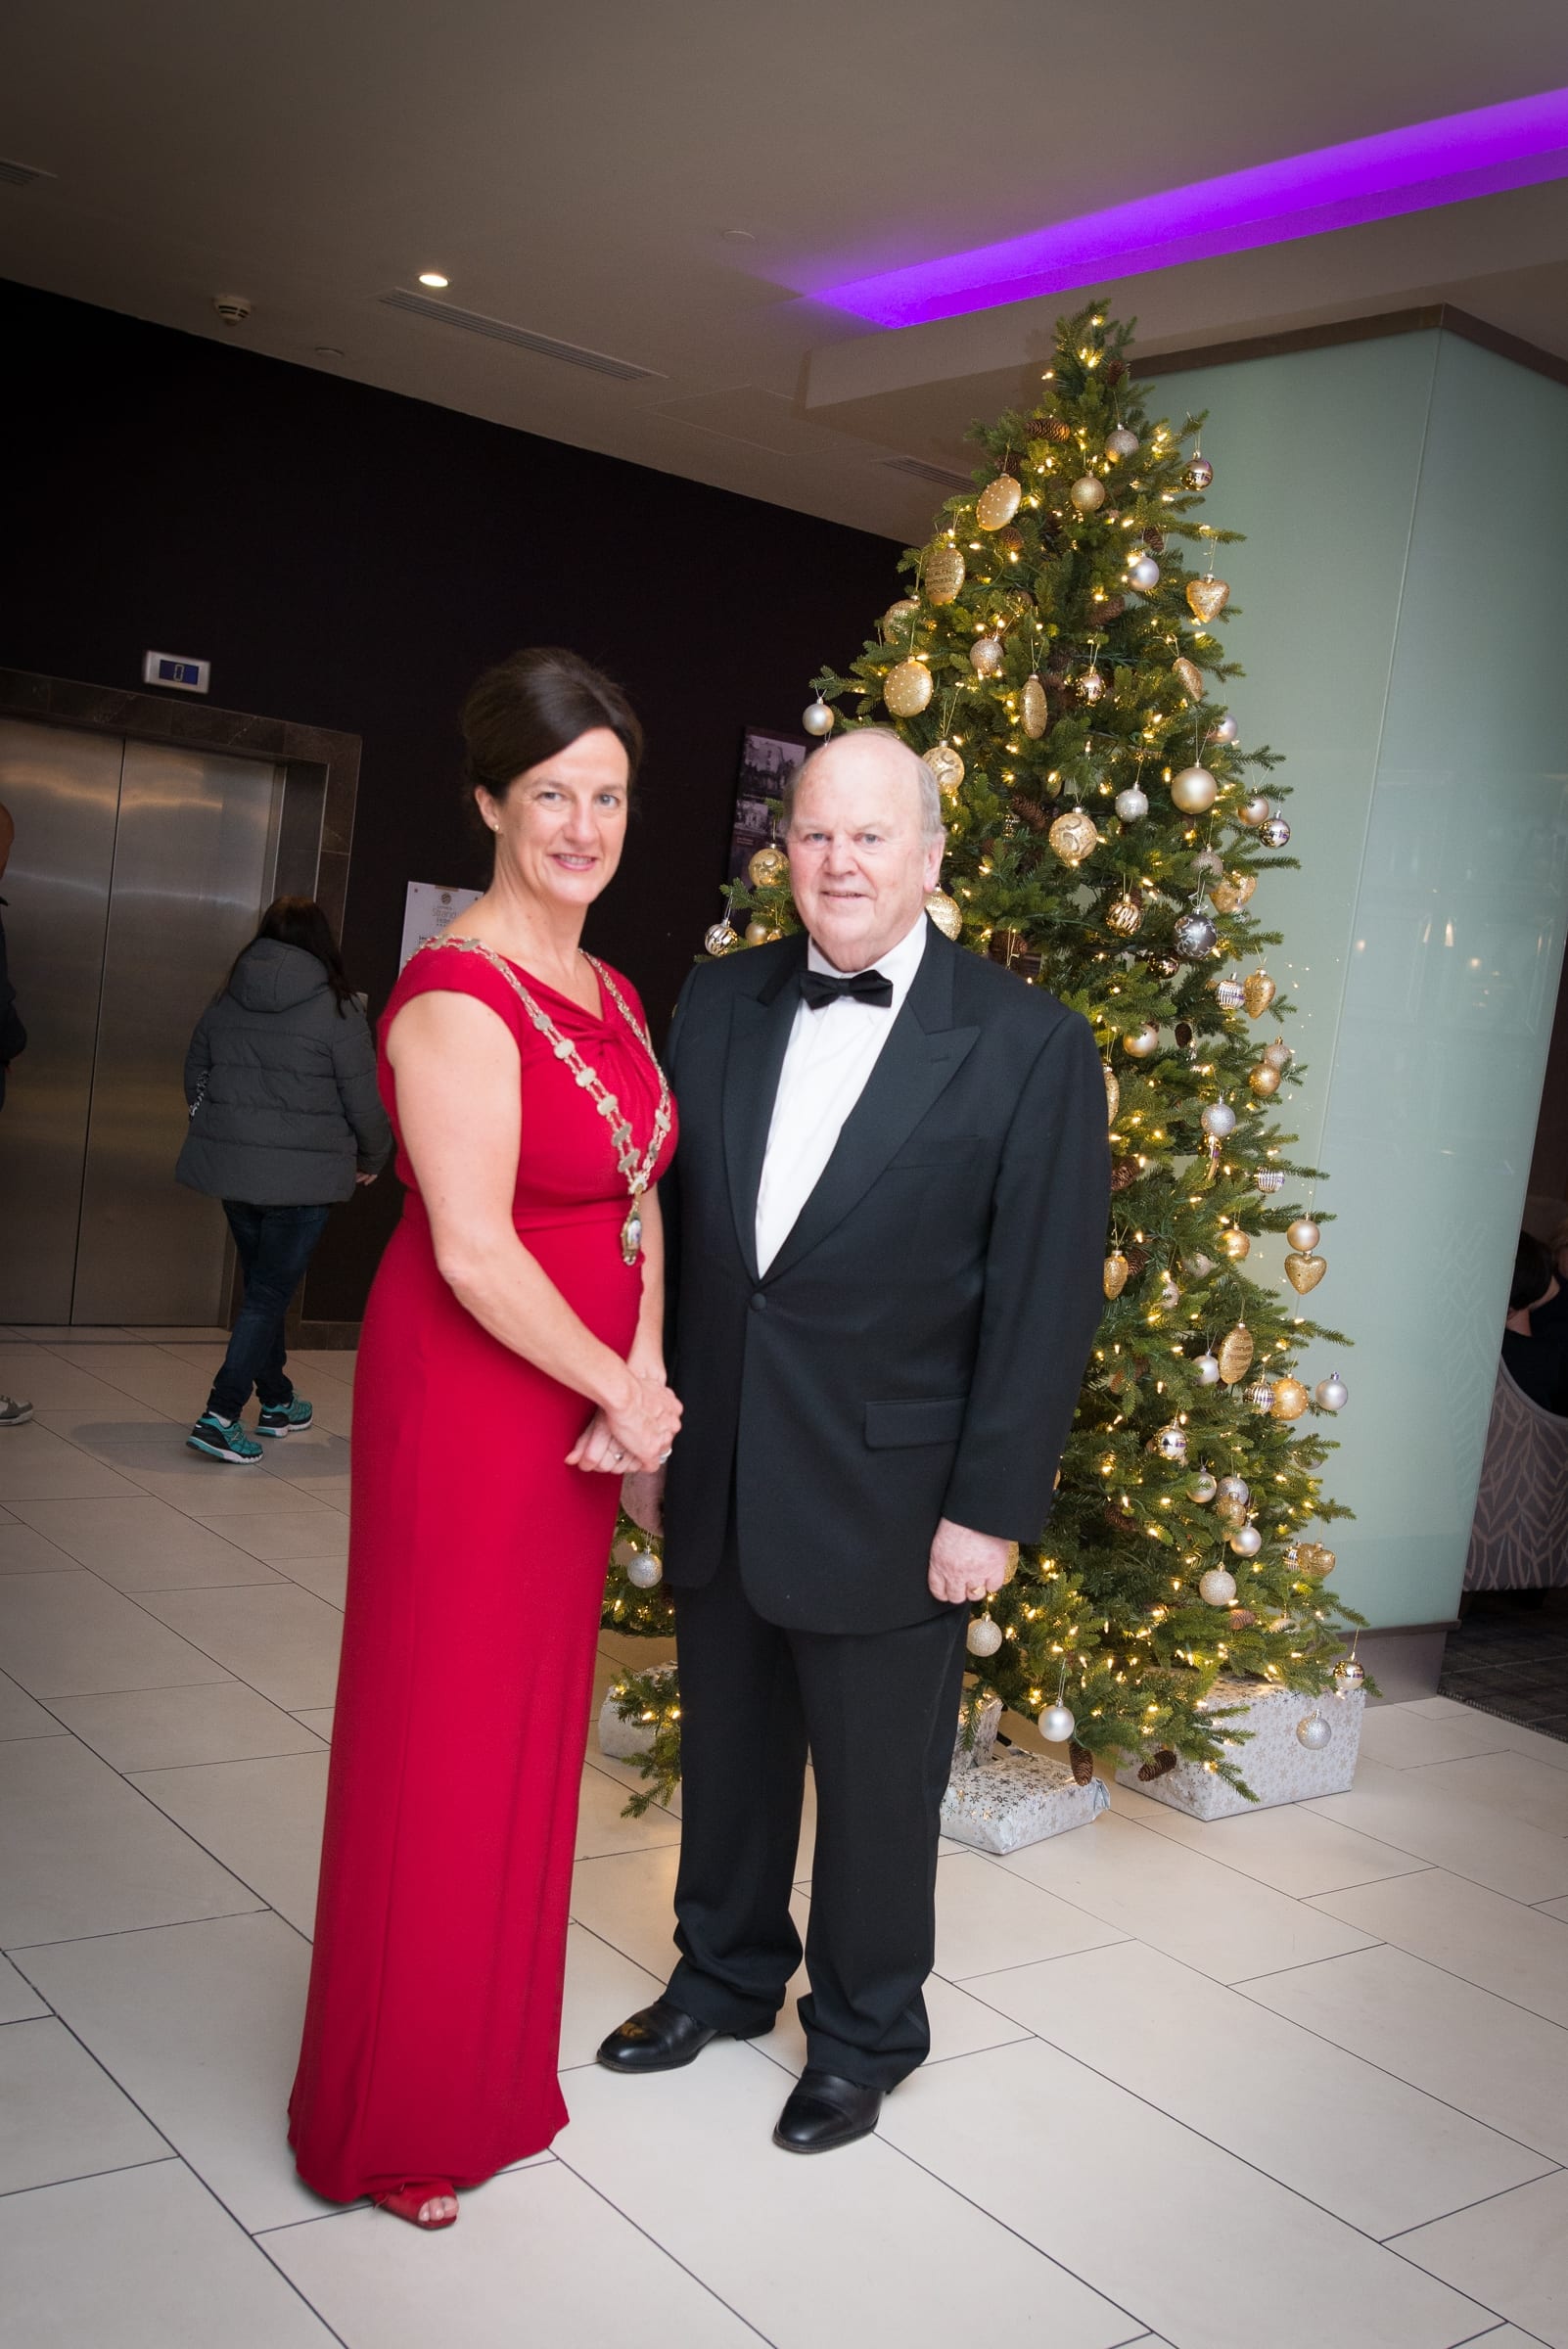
x=1058, y=660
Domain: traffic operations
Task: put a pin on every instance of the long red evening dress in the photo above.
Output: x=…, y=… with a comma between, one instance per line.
x=475, y=1569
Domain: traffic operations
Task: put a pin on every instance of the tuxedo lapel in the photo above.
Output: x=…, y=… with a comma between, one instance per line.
x=915, y=1064
x=759, y=1034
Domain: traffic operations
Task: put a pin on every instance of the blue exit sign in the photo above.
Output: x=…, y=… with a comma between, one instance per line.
x=177, y=669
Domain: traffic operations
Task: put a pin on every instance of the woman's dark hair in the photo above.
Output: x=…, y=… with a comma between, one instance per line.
x=532, y=706
x=300, y=921
x=1533, y=1271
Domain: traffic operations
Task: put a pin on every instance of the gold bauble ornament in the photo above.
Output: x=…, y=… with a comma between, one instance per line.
x=1207, y=598
x=1263, y=1080
x=945, y=911
x=1193, y=789
x=943, y=572
x=1091, y=684
x=896, y=618
x=1074, y=836
x=946, y=764
x=1125, y=914
x=1236, y=1244
x=1233, y=892
x=998, y=501
x=907, y=688
x=1034, y=709
x=1253, y=812
x=767, y=869
x=757, y=933
x=1117, y=1270
x=1304, y=1272
x=1311, y=1559
x=986, y=655
x=1190, y=677
x=1230, y=1512
x=1304, y=1234
x=1290, y=1399
x=1113, y=1093
x=1141, y=1042
x=1087, y=494
x=1234, y=1354
x=1258, y=991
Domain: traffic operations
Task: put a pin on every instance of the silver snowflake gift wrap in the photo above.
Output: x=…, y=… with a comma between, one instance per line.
x=624, y=1740
x=1016, y=1798
x=983, y=1741
x=1272, y=1759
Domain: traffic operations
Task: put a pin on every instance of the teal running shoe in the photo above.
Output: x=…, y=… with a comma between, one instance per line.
x=222, y=1439
x=284, y=1418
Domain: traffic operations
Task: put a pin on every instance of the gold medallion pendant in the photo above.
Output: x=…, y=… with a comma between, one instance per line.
x=631, y=1231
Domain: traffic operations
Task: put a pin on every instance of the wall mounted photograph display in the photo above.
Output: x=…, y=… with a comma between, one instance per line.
x=767, y=761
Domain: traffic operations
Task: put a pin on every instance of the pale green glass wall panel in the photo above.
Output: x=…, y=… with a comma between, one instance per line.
x=1400, y=652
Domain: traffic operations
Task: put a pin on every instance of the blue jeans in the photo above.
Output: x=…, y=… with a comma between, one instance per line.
x=275, y=1244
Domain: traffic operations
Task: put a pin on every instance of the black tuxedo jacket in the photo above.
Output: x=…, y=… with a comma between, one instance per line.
x=915, y=1348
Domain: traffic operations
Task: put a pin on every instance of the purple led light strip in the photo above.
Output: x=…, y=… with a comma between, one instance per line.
x=1415, y=170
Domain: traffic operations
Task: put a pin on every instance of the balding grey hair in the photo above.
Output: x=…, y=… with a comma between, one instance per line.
x=908, y=761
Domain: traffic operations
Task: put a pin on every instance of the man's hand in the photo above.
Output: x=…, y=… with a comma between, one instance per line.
x=965, y=1564
x=642, y=1496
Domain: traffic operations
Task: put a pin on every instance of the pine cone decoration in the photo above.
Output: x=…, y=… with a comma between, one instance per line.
x=1123, y=1173
x=1010, y=540
x=1157, y=1765
x=1113, y=371
x=1137, y=1261
x=1111, y=608
x=1122, y=1523
x=1082, y=1762
x=1032, y=813
x=1154, y=540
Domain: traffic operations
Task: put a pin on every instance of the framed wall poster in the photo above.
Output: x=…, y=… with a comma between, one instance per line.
x=428, y=909
x=767, y=761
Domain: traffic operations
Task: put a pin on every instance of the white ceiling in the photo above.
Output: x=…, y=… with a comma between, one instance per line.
x=574, y=172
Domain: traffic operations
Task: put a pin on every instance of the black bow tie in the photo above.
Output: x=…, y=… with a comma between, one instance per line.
x=863, y=986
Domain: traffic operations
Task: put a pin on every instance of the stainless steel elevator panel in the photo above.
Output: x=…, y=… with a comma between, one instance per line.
x=191, y=875
x=63, y=790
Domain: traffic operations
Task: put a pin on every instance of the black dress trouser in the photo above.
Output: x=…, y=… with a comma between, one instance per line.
x=878, y=1711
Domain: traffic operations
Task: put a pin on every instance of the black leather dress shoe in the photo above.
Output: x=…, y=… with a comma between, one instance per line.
x=824, y=2112
x=660, y=2039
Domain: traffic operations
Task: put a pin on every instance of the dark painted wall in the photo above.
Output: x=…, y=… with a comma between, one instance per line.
x=349, y=558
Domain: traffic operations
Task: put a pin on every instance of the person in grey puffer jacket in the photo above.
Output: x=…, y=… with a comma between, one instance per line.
x=286, y=1119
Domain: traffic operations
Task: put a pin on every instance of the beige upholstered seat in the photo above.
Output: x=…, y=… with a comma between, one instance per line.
x=1519, y=1539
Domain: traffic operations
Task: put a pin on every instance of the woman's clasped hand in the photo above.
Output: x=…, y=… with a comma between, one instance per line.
x=634, y=1433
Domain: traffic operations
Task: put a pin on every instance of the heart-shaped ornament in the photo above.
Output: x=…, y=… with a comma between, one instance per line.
x=1207, y=598
x=1258, y=991
x=1304, y=1272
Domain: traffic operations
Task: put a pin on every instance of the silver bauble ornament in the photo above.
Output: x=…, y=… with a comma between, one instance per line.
x=1141, y=1042
x=1170, y=1296
x=986, y=655
x=1314, y=1733
x=1208, y=1371
x=1216, y=1587
x=719, y=938
x=1275, y=832
x=1198, y=1267
x=1170, y=1441
x=1236, y=1488
x=1253, y=812
x=1057, y=1724
x=1332, y=1392
x=1194, y=790
x=1230, y=993
x=1087, y=494
x=1199, y=472
x=1120, y=442
x=644, y=1571
x=1196, y=937
x=1261, y=1395
x=1225, y=730
x=1246, y=1540
x=1349, y=1675
x=946, y=764
x=1278, y=1054
x=1218, y=1119
x=817, y=719
x=1131, y=805
x=1143, y=574
x=1269, y=1180
x=984, y=1636
x=1303, y=1234
x=1202, y=1487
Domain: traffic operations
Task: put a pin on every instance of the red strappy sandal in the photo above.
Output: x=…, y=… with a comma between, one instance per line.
x=410, y=2200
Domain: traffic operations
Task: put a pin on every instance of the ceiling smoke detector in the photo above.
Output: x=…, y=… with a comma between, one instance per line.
x=232, y=308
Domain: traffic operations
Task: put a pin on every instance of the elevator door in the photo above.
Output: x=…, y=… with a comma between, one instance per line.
x=138, y=873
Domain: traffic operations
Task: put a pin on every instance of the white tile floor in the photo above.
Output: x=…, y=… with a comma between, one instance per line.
x=1292, y=2077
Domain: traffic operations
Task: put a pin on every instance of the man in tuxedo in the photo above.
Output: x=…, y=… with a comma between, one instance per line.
x=886, y=1230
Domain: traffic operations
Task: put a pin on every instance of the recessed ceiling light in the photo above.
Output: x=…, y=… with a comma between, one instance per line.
x=433, y=277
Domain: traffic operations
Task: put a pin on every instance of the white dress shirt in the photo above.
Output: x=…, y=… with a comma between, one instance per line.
x=827, y=1061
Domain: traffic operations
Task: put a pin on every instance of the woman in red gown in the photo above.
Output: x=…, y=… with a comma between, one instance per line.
x=510, y=1369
